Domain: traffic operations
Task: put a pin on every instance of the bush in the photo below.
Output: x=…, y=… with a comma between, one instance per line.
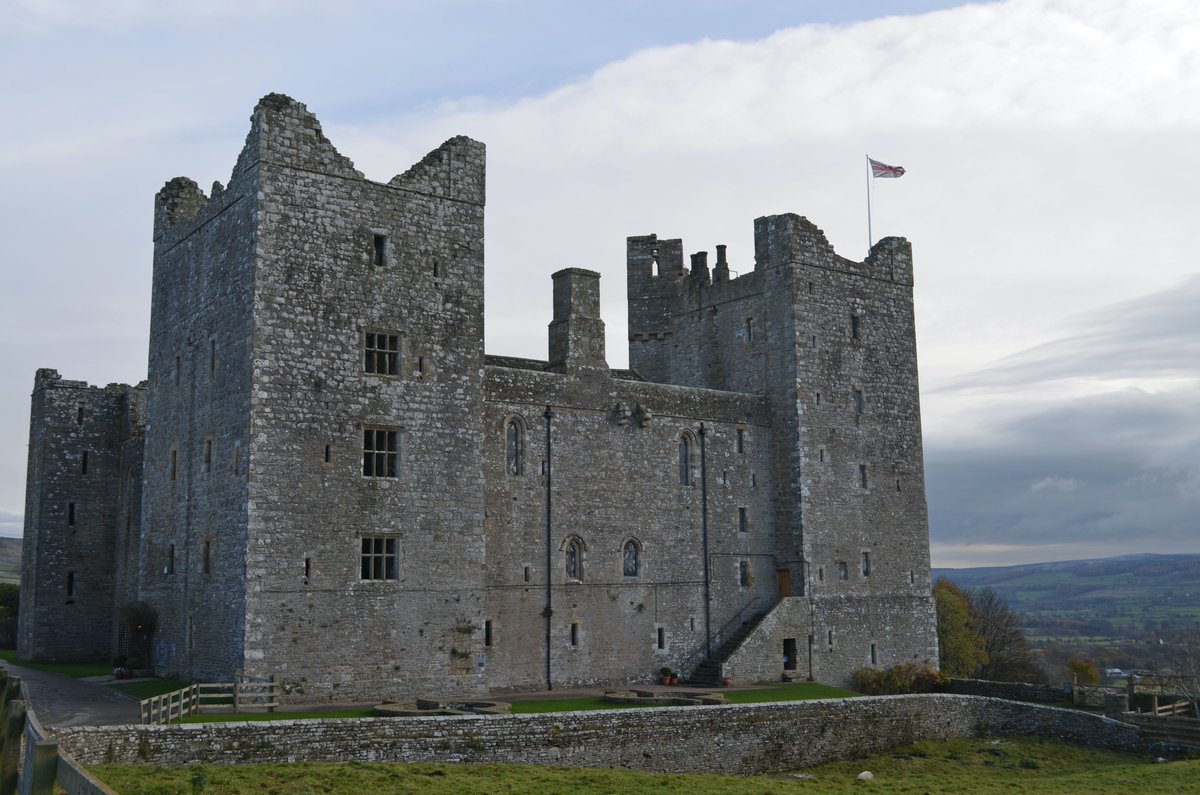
x=909, y=677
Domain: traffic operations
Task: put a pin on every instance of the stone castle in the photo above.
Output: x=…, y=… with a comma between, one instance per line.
x=324, y=478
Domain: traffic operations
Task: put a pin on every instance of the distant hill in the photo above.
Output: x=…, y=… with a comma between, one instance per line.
x=1143, y=592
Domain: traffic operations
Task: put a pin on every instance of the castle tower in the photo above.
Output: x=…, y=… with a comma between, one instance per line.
x=81, y=517
x=314, y=419
x=831, y=343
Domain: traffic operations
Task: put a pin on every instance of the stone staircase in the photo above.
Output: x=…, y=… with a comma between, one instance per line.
x=708, y=673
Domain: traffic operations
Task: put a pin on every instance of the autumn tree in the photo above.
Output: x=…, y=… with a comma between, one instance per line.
x=960, y=648
x=1009, y=658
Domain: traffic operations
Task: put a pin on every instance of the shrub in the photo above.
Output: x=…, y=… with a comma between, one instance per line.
x=909, y=677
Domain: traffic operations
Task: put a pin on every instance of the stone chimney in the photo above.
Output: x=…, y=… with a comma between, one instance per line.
x=577, y=332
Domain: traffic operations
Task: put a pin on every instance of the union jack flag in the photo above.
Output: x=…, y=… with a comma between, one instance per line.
x=884, y=170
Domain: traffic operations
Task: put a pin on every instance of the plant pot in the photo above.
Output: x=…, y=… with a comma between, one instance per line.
x=666, y=680
x=674, y=680
x=727, y=682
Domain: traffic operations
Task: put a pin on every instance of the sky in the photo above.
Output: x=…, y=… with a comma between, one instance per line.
x=1049, y=146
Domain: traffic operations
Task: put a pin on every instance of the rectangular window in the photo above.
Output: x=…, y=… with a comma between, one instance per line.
x=79, y=414
x=862, y=475
x=866, y=564
x=874, y=656
x=749, y=329
x=855, y=327
x=170, y=567
x=208, y=455
x=178, y=368
x=574, y=633
x=662, y=638
x=212, y=357
x=821, y=455
x=380, y=453
x=70, y=514
x=379, y=250
x=174, y=464
x=741, y=440
x=83, y=463
x=378, y=558
x=829, y=638
x=206, y=558
x=70, y=585
x=843, y=570
x=858, y=401
x=526, y=574
x=743, y=520
x=487, y=633
x=307, y=568
x=381, y=353
x=328, y=454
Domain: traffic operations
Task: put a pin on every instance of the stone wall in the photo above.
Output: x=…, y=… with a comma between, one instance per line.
x=744, y=739
x=1016, y=691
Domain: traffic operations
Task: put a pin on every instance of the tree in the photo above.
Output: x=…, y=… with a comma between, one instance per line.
x=960, y=648
x=1182, y=656
x=1083, y=670
x=1009, y=658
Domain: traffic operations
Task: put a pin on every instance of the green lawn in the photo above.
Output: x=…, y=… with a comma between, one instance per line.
x=76, y=670
x=802, y=691
x=230, y=717
x=983, y=767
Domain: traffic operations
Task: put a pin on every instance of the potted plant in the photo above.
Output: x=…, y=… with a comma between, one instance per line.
x=674, y=677
x=665, y=673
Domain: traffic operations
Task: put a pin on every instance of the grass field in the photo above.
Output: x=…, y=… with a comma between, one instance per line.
x=980, y=767
x=151, y=687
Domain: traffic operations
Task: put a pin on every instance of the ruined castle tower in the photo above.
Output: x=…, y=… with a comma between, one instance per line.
x=340, y=489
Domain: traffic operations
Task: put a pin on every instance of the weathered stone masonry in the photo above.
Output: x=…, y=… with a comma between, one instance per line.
x=738, y=740
x=341, y=489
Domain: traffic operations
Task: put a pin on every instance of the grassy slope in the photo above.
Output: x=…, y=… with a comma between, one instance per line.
x=957, y=766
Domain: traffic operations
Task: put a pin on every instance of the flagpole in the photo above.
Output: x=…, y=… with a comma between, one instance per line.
x=870, y=238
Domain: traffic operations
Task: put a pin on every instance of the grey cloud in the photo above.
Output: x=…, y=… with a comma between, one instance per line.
x=1156, y=335
x=11, y=524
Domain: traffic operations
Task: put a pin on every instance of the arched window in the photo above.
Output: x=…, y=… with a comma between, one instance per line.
x=573, y=559
x=514, y=448
x=685, y=460
x=631, y=559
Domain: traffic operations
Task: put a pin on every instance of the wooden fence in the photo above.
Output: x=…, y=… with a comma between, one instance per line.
x=245, y=694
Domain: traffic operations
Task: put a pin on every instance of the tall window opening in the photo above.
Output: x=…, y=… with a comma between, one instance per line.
x=685, y=460
x=573, y=559
x=862, y=475
x=83, y=463
x=380, y=453
x=855, y=327
x=70, y=586
x=171, y=560
x=514, y=448
x=866, y=564
x=70, y=514
x=743, y=520
x=843, y=570
x=206, y=557
x=744, y=574
x=379, y=250
x=661, y=640
x=858, y=401
x=741, y=440
x=631, y=559
x=208, y=455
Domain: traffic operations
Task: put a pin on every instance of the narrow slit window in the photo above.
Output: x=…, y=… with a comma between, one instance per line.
x=866, y=564
x=171, y=559
x=83, y=463
x=874, y=655
x=685, y=459
x=843, y=570
x=379, y=250
x=208, y=455
x=749, y=329
x=79, y=414
x=70, y=585
x=514, y=448
x=862, y=475
x=858, y=401
x=436, y=269
x=744, y=574
x=70, y=514
x=855, y=327
x=487, y=633
x=178, y=368
x=743, y=520
x=829, y=638
x=212, y=357
x=174, y=464
x=526, y=574
x=307, y=568
x=206, y=557
x=741, y=440
x=328, y=454
x=574, y=633
x=662, y=638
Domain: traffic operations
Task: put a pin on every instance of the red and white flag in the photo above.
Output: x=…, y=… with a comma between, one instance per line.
x=884, y=170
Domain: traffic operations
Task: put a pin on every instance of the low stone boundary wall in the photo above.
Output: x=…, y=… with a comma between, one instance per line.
x=1015, y=691
x=735, y=739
